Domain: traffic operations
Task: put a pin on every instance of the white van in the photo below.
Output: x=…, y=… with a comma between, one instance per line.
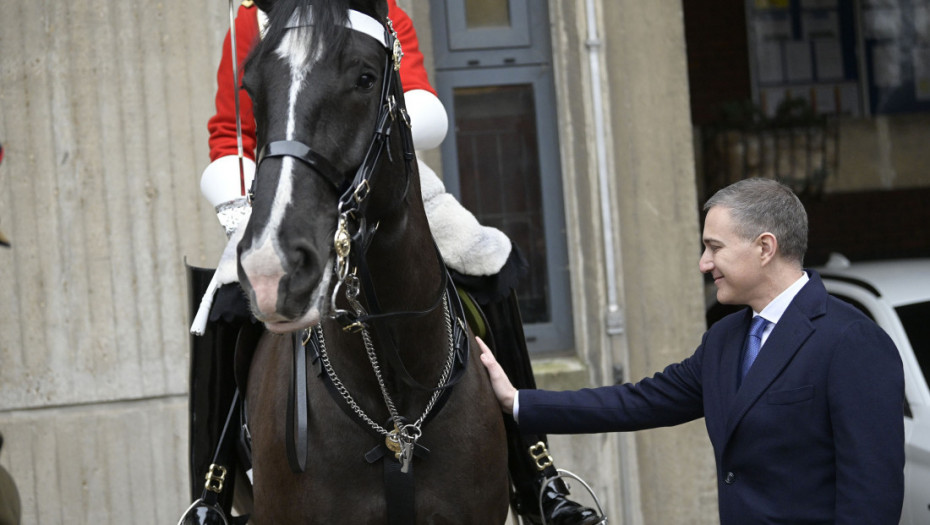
x=896, y=295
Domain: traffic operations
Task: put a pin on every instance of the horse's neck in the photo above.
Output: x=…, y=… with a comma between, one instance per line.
x=405, y=271
x=404, y=263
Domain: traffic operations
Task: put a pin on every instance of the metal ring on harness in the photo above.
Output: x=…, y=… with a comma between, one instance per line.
x=562, y=473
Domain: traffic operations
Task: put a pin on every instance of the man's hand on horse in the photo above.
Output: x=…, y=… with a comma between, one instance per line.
x=503, y=389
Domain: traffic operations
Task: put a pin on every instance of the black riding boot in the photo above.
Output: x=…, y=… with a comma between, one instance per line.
x=212, y=388
x=529, y=461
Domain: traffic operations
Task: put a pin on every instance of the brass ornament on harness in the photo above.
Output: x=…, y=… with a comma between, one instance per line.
x=216, y=476
x=397, y=53
x=392, y=442
x=540, y=455
x=342, y=243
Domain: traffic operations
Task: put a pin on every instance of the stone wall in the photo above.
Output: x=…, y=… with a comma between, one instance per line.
x=103, y=109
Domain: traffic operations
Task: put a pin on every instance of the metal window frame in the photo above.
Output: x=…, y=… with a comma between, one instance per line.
x=460, y=37
x=557, y=334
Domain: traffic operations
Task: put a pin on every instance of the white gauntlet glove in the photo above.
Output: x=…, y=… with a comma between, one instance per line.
x=221, y=186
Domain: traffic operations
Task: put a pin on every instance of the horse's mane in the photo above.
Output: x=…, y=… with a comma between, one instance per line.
x=328, y=18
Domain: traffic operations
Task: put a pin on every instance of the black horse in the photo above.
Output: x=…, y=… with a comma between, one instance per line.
x=397, y=422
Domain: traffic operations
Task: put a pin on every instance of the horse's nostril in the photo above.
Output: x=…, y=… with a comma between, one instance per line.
x=306, y=266
x=305, y=256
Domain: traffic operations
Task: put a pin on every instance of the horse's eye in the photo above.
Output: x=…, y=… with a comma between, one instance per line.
x=365, y=81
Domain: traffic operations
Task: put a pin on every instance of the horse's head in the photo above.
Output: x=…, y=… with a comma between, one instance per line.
x=316, y=81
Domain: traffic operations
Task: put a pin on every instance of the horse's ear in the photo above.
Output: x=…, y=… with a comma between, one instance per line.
x=264, y=5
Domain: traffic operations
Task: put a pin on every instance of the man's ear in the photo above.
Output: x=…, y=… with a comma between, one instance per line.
x=769, y=245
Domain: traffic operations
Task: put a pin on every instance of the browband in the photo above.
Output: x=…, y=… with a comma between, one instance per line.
x=358, y=21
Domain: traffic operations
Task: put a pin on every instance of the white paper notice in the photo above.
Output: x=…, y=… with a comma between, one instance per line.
x=886, y=65
x=882, y=23
x=769, y=62
x=798, y=61
x=820, y=25
x=829, y=57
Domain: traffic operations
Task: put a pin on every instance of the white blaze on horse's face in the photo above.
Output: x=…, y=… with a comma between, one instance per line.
x=263, y=263
x=268, y=263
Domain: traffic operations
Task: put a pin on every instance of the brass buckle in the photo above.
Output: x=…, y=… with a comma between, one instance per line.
x=361, y=191
x=540, y=455
x=215, y=477
x=354, y=328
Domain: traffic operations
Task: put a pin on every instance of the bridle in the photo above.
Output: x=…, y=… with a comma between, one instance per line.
x=353, y=237
x=354, y=230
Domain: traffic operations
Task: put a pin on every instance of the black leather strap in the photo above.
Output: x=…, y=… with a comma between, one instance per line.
x=225, y=448
x=400, y=493
x=297, y=439
x=399, y=489
x=303, y=153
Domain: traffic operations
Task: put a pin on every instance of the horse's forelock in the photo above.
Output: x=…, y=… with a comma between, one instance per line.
x=328, y=18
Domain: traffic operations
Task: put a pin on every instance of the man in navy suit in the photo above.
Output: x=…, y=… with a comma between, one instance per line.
x=809, y=431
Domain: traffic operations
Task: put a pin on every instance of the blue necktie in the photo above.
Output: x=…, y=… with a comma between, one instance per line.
x=753, y=343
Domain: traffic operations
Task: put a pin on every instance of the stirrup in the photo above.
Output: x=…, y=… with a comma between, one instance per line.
x=562, y=473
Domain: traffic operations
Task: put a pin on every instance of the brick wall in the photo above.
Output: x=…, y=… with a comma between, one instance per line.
x=869, y=225
x=718, y=58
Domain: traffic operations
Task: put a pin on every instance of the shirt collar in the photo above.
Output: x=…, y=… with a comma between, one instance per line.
x=776, y=308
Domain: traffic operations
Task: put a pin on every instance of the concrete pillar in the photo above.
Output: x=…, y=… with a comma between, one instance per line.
x=656, y=208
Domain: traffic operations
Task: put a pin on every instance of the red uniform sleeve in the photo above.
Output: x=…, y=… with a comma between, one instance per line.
x=222, y=126
x=412, y=70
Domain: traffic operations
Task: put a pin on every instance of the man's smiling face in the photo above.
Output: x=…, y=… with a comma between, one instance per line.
x=731, y=260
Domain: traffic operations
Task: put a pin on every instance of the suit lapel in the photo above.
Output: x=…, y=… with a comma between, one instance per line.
x=792, y=330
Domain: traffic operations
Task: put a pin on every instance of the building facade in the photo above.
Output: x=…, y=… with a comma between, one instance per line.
x=103, y=110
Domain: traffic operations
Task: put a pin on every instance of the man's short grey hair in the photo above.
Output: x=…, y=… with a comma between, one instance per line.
x=764, y=205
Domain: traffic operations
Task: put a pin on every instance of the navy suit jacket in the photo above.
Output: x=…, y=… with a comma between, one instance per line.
x=815, y=434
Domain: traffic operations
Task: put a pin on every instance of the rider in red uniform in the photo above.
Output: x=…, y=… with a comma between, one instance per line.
x=483, y=254
x=220, y=180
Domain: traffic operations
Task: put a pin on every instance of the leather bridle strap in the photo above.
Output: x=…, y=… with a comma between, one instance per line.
x=303, y=153
x=350, y=201
x=296, y=439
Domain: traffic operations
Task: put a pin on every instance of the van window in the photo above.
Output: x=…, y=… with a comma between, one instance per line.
x=914, y=317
